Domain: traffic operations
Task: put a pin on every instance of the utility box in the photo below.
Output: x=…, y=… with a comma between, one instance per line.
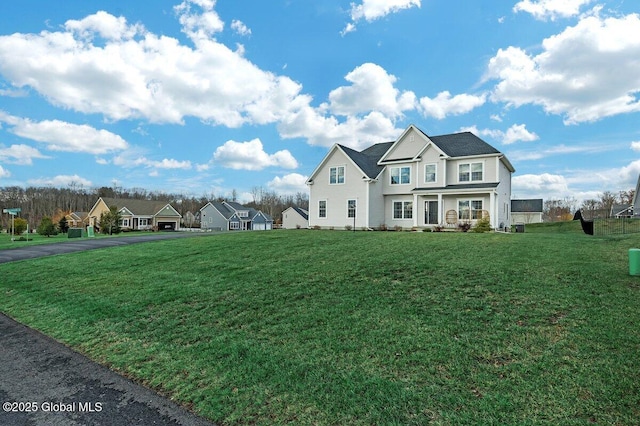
x=634, y=261
x=74, y=233
x=519, y=227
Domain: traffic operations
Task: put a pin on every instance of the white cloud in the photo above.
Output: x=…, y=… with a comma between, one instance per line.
x=11, y=93
x=369, y=107
x=545, y=185
x=201, y=24
x=371, y=90
x=629, y=174
x=104, y=25
x=444, y=104
x=515, y=133
x=550, y=9
x=635, y=146
x=518, y=133
x=357, y=133
x=251, y=156
x=148, y=76
x=4, y=173
x=240, y=28
x=61, y=181
x=572, y=76
x=561, y=149
x=370, y=10
x=129, y=160
x=290, y=184
x=103, y=65
x=63, y=136
x=167, y=163
x=20, y=154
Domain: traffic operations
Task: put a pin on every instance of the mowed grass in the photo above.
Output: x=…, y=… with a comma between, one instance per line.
x=32, y=239
x=332, y=327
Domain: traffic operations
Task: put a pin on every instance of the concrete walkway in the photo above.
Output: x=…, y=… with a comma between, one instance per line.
x=44, y=383
x=76, y=245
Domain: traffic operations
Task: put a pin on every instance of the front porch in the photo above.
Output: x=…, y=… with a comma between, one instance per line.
x=449, y=210
x=136, y=223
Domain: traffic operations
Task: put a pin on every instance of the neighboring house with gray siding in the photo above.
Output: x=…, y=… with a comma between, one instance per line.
x=232, y=216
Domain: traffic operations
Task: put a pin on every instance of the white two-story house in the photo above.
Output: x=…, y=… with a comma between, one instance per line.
x=417, y=181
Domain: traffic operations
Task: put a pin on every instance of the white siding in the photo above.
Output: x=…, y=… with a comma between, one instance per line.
x=291, y=219
x=408, y=146
x=504, y=197
x=336, y=195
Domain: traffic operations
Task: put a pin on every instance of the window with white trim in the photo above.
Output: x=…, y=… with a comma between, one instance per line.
x=430, y=173
x=351, y=209
x=400, y=175
x=403, y=209
x=322, y=209
x=470, y=172
x=469, y=209
x=336, y=175
x=234, y=225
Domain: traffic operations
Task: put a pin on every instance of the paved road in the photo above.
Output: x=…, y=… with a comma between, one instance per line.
x=76, y=245
x=61, y=387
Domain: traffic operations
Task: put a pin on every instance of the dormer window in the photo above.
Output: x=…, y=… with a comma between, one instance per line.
x=336, y=175
x=243, y=213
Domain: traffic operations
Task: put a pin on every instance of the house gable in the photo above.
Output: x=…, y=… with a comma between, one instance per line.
x=407, y=147
x=168, y=211
x=336, y=157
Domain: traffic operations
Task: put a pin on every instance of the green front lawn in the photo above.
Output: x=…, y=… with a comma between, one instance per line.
x=33, y=239
x=331, y=327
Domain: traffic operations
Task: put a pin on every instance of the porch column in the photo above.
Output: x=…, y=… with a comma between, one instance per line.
x=440, y=210
x=493, y=212
x=415, y=210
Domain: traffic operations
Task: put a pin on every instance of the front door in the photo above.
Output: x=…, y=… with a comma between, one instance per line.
x=430, y=212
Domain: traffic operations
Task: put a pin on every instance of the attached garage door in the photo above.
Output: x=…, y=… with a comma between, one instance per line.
x=166, y=226
x=259, y=227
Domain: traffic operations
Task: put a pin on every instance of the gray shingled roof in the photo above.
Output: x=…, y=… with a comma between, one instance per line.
x=223, y=209
x=302, y=212
x=454, y=145
x=368, y=159
x=527, y=206
x=137, y=207
x=462, y=145
x=458, y=187
x=252, y=212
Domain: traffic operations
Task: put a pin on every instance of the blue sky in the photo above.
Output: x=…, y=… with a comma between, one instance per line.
x=205, y=96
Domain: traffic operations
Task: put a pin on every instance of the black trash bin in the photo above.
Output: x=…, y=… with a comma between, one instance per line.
x=519, y=227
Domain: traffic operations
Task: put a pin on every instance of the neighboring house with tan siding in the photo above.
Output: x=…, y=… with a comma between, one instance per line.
x=138, y=215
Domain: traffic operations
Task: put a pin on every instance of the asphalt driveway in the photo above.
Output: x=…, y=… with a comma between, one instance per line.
x=44, y=383
x=76, y=245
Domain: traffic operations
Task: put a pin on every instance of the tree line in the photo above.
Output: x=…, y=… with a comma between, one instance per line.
x=555, y=209
x=37, y=203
